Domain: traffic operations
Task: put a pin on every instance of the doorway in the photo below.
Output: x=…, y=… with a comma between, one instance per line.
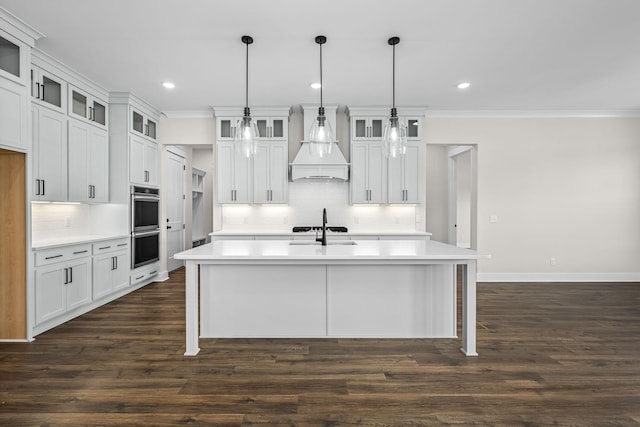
x=175, y=203
x=462, y=196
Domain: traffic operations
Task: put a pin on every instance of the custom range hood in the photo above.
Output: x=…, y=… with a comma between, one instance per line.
x=308, y=166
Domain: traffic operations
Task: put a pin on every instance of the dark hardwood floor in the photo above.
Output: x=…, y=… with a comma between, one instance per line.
x=550, y=354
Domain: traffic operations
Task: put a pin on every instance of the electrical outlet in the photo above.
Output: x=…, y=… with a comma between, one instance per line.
x=396, y=220
x=67, y=221
x=285, y=220
x=553, y=262
x=493, y=218
x=356, y=220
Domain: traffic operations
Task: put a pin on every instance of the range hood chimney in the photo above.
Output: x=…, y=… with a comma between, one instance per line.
x=307, y=166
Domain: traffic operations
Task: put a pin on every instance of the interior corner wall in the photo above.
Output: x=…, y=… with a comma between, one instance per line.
x=566, y=193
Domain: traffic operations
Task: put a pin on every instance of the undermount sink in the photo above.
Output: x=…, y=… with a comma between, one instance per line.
x=335, y=242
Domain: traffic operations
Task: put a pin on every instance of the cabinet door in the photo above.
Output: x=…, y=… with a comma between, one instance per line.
x=102, y=273
x=78, y=288
x=395, y=172
x=359, y=185
x=242, y=174
x=359, y=128
x=120, y=275
x=261, y=174
x=50, y=155
x=412, y=174
x=79, y=190
x=48, y=90
x=279, y=129
x=137, y=173
x=278, y=172
x=367, y=128
x=376, y=173
x=224, y=181
x=14, y=117
x=414, y=128
x=50, y=297
x=225, y=128
x=150, y=161
x=98, y=165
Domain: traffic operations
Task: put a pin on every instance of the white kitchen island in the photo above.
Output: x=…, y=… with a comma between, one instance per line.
x=355, y=289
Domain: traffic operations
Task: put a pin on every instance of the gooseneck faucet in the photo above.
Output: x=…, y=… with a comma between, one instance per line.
x=323, y=239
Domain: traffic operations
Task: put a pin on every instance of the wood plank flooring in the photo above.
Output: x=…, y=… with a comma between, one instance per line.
x=550, y=354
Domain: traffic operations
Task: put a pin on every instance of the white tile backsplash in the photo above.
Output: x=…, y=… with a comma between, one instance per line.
x=57, y=220
x=307, y=198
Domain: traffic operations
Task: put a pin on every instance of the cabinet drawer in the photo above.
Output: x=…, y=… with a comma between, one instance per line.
x=142, y=274
x=110, y=246
x=62, y=254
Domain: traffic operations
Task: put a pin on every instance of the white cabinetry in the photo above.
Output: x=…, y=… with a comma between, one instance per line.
x=14, y=89
x=270, y=180
x=49, y=154
x=87, y=107
x=368, y=173
x=264, y=178
x=63, y=281
x=143, y=161
x=143, y=125
x=133, y=150
x=110, y=267
x=88, y=163
x=404, y=176
x=48, y=89
x=198, y=236
x=367, y=128
x=234, y=175
x=273, y=128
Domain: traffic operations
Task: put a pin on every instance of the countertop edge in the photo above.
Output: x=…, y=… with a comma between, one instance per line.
x=43, y=244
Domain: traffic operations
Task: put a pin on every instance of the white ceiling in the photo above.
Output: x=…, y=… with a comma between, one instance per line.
x=517, y=54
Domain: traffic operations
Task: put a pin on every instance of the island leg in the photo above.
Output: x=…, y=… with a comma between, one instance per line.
x=191, y=308
x=469, y=308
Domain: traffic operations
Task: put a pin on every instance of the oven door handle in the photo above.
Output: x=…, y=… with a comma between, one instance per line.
x=146, y=198
x=146, y=233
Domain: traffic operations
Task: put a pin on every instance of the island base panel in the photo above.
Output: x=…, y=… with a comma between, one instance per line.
x=314, y=301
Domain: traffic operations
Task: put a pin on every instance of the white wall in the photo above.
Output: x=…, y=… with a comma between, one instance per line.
x=562, y=188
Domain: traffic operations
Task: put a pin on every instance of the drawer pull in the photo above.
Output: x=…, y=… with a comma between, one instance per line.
x=53, y=256
x=138, y=278
x=122, y=244
x=104, y=247
x=153, y=272
x=80, y=252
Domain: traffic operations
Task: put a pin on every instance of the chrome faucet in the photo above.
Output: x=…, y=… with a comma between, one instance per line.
x=323, y=239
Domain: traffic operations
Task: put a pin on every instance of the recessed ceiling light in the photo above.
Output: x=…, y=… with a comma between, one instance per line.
x=464, y=85
x=168, y=85
x=315, y=85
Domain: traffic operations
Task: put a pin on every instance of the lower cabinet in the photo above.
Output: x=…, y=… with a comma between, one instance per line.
x=62, y=287
x=110, y=267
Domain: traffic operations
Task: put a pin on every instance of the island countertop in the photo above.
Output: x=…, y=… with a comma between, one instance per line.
x=336, y=250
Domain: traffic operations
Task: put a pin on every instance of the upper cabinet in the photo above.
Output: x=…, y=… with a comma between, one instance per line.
x=142, y=124
x=87, y=107
x=49, y=155
x=134, y=154
x=367, y=128
x=48, y=90
x=16, y=41
x=88, y=163
x=273, y=128
x=261, y=179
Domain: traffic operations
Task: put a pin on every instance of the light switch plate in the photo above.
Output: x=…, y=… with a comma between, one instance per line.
x=493, y=218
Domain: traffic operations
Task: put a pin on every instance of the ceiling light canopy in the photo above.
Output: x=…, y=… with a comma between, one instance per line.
x=315, y=85
x=395, y=131
x=320, y=134
x=246, y=132
x=168, y=85
x=464, y=85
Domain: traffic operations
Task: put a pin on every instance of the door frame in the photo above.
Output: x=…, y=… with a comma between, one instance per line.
x=452, y=154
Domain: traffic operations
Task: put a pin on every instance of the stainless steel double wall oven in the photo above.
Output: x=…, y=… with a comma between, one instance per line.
x=145, y=226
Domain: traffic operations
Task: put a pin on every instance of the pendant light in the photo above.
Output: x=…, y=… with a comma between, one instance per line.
x=320, y=135
x=395, y=131
x=246, y=132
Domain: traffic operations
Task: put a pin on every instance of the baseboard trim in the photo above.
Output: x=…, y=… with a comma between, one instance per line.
x=162, y=276
x=558, y=277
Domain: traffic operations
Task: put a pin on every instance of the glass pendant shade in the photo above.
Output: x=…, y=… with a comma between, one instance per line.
x=247, y=136
x=395, y=137
x=320, y=136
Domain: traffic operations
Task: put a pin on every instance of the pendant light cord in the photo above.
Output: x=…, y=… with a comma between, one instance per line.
x=246, y=85
x=393, y=96
x=320, y=74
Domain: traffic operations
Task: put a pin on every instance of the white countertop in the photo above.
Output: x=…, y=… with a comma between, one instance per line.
x=329, y=233
x=50, y=243
x=235, y=251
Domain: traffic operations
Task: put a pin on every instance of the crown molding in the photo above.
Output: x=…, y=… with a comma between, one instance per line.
x=526, y=114
x=188, y=114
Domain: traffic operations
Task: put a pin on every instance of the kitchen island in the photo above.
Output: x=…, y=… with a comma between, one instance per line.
x=355, y=289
